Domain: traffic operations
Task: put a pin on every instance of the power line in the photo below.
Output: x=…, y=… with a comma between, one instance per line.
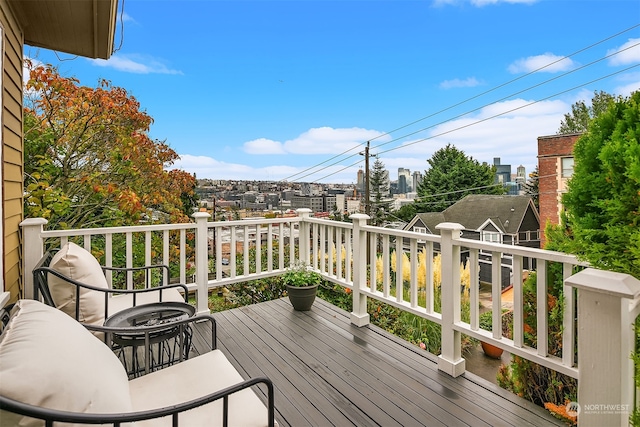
x=511, y=110
x=476, y=122
x=462, y=102
x=509, y=96
x=510, y=81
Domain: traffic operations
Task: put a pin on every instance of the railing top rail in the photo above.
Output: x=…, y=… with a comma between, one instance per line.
x=522, y=251
x=337, y=224
x=402, y=233
x=117, y=230
x=257, y=221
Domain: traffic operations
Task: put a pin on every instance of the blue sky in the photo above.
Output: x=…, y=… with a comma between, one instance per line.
x=267, y=89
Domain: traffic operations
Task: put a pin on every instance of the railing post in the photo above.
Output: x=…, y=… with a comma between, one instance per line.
x=304, y=251
x=359, y=315
x=202, y=262
x=32, y=251
x=607, y=303
x=450, y=359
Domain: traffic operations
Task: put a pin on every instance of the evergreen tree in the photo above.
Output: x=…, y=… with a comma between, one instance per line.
x=578, y=120
x=380, y=202
x=531, y=188
x=602, y=219
x=453, y=175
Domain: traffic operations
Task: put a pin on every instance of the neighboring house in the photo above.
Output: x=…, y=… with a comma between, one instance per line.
x=555, y=167
x=79, y=27
x=511, y=220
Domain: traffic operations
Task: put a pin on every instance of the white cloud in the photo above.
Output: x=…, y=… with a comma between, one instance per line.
x=629, y=53
x=263, y=146
x=532, y=63
x=136, y=64
x=127, y=18
x=468, y=82
x=322, y=140
x=208, y=167
x=512, y=137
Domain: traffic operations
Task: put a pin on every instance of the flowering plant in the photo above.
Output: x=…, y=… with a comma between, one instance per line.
x=301, y=275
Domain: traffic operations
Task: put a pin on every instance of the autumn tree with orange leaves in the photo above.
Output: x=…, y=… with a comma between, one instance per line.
x=89, y=161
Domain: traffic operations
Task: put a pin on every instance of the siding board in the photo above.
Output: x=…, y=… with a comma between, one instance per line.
x=12, y=150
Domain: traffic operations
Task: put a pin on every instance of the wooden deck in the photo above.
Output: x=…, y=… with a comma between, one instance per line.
x=329, y=372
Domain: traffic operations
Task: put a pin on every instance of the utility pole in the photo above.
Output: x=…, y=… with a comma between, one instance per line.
x=367, y=189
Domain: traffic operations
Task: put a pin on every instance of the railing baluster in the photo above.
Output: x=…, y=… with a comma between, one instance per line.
x=129, y=259
x=233, y=250
x=474, y=289
x=399, y=272
x=414, y=273
x=281, y=244
x=258, y=249
x=518, y=312
x=541, y=312
x=183, y=256
x=386, y=273
x=496, y=293
x=147, y=256
x=568, y=318
x=429, y=290
x=270, y=247
x=108, y=257
x=166, y=237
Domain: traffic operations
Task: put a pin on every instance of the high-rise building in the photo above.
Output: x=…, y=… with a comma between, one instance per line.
x=417, y=179
x=521, y=177
x=404, y=180
x=503, y=172
x=360, y=180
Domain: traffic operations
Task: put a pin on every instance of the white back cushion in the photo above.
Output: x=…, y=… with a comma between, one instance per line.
x=78, y=264
x=48, y=359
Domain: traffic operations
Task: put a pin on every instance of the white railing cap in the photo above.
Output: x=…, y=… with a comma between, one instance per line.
x=606, y=282
x=450, y=226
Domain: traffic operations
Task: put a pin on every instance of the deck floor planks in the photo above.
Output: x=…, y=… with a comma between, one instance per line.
x=267, y=340
x=487, y=395
x=292, y=406
x=408, y=406
x=343, y=381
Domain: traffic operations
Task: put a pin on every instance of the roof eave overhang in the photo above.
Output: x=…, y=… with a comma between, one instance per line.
x=78, y=27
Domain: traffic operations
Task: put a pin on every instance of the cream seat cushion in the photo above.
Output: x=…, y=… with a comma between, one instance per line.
x=78, y=264
x=48, y=359
x=194, y=378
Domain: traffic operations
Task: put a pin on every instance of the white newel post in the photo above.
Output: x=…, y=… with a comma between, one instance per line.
x=304, y=251
x=32, y=251
x=359, y=315
x=450, y=359
x=606, y=301
x=202, y=262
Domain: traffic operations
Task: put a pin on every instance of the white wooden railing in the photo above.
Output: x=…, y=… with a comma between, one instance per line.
x=205, y=255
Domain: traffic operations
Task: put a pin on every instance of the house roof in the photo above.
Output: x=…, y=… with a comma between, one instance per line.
x=78, y=27
x=473, y=211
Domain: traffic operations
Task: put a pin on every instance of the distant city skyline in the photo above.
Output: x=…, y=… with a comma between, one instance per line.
x=272, y=90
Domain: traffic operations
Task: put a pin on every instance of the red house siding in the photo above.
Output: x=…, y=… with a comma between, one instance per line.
x=551, y=149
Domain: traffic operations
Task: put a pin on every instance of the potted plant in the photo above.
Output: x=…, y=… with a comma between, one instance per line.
x=302, y=284
x=486, y=323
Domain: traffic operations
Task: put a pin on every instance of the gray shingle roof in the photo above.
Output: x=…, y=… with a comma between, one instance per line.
x=472, y=212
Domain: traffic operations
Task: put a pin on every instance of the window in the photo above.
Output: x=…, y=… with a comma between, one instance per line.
x=567, y=167
x=491, y=236
x=422, y=230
